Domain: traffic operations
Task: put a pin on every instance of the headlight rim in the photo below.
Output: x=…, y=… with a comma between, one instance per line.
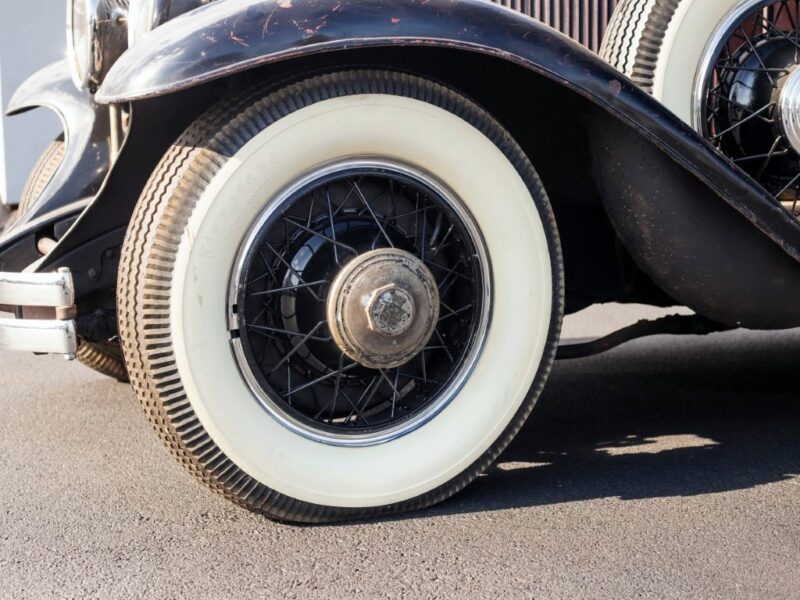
x=80, y=66
x=144, y=16
x=105, y=27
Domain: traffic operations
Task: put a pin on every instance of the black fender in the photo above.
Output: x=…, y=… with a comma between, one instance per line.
x=228, y=38
x=86, y=134
x=81, y=173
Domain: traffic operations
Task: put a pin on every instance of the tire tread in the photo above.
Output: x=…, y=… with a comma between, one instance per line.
x=635, y=37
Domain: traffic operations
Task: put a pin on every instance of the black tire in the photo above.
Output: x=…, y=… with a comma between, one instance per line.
x=633, y=40
x=106, y=359
x=103, y=358
x=147, y=272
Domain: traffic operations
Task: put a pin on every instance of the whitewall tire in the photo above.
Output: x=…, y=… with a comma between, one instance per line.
x=660, y=45
x=186, y=259
x=729, y=69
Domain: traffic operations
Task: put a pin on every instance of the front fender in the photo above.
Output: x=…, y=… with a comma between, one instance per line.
x=86, y=133
x=230, y=36
x=610, y=113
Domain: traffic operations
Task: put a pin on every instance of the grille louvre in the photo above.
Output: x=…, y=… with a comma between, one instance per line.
x=584, y=21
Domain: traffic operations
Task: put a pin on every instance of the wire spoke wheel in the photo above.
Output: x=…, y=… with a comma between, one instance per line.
x=286, y=331
x=341, y=297
x=747, y=96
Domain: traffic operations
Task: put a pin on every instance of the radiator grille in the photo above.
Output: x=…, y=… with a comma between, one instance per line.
x=582, y=20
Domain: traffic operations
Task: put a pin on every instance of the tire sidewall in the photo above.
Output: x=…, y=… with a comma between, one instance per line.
x=685, y=42
x=429, y=138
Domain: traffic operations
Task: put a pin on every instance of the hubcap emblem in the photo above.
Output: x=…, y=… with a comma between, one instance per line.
x=391, y=311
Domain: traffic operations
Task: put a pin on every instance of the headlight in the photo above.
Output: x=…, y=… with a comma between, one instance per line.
x=96, y=37
x=79, y=39
x=144, y=16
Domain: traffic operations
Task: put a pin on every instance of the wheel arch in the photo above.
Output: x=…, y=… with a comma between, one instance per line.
x=564, y=128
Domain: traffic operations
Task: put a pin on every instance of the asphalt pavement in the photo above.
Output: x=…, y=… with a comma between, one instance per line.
x=667, y=468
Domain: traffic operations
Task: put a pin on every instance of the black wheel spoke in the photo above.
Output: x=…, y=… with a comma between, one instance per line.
x=333, y=226
x=372, y=214
x=325, y=377
x=453, y=312
x=300, y=344
x=293, y=271
x=322, y=236
x=264, y=328
x=289, y=288
x=743, y=121
x=744, y=100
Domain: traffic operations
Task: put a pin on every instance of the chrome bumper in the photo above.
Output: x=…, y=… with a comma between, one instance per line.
x=52, y=293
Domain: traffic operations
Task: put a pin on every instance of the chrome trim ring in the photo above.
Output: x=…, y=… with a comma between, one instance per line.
x=276, y=408
x=705, y=68
x=37, y=289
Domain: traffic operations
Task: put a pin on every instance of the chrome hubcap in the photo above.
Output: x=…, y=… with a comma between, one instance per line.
x=789, y=108
x=383, y=308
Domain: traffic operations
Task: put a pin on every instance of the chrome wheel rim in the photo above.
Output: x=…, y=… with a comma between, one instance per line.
x=746, y=97
x=345, y=218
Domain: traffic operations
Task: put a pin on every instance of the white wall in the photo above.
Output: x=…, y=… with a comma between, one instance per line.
x=32, y=35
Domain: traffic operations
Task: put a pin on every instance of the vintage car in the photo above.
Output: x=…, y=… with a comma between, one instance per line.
x=331, y=242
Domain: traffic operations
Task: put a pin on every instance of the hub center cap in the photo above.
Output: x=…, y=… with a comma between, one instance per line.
x=383, y=307
x=789, y=108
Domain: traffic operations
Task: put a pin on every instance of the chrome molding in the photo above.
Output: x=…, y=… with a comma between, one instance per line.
x=37, y=289
x=721, y=34
x=46, y=337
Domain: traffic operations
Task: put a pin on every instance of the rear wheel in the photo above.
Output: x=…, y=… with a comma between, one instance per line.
x=730, y=69
x=106, y=359
x=341, y=298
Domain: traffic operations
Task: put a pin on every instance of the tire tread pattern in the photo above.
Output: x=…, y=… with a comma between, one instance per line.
x=635, y=37
x=105, y=361
x=42, y=173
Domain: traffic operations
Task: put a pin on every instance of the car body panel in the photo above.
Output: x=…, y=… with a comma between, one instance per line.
x=216, y=47
x=86, y=134
x=231, y=36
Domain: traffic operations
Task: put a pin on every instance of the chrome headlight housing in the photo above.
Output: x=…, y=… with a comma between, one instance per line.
x=96, y=38
x=143, y=17
x=146, y=15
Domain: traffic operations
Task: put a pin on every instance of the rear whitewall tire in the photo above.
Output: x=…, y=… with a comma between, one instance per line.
x=275, y=470
x=670, y=51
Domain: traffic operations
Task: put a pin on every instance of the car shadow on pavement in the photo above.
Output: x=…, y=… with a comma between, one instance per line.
x=666, y=417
